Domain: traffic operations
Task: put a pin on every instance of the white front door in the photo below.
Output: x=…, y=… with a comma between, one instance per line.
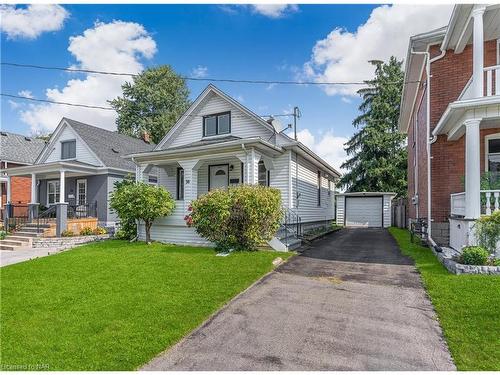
x=219, y=177
x=81, y=192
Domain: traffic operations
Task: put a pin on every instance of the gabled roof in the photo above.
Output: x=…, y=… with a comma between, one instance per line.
x=18, y=148
x=108, y=146
x=210, y=89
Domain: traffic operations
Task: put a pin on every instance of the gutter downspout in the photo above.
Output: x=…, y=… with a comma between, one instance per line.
x=429, y=140
x=246, y=163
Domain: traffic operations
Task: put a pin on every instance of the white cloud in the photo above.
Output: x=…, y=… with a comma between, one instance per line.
x=346, y=100
x=25, y=94
x=31, y=21
x=199, y=72
x=328, y=146
x=13, y=104
x=343, y=56
x=274, y=10
x=117, y=46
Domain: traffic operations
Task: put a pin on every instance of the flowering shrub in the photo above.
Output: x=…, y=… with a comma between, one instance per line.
x=67, y=233
x=100, y=230
x=242, y=217
x=87, y=231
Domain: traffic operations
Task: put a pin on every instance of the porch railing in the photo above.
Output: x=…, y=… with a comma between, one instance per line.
x=82, y=211
x=492, y=80
x=490, y=202
x=45, y=217
x=15, y=215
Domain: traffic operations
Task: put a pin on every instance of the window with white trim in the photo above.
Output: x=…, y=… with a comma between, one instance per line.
x=53, y=191
x=68, y=149
x=263, y=174
x=217, y=124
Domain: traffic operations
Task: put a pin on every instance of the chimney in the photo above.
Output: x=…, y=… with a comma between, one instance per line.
x=146, y=137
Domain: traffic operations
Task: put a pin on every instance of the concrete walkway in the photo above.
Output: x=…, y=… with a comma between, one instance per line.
x=349, y=302
x=8, y=257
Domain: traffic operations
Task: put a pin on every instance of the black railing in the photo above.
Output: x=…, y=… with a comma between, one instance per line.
x=82, y=211
x=17, y=215
x=46, y=217
x=291, y=225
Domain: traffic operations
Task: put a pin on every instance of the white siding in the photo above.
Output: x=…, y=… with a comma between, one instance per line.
x=340, y=209
x=242, y=125
x=280, y=177
x=83, y=154
x=305, y=181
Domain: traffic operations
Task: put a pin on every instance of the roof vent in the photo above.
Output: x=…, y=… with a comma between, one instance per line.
x=4, y=134
x=115, y=150
x=27, y=139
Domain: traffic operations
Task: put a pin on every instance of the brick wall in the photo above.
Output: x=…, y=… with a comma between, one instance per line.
x=449, y=76
x=20, y=192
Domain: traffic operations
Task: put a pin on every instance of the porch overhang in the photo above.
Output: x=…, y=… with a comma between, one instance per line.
x=53, y=168
x=453, y=119
x=209, y=150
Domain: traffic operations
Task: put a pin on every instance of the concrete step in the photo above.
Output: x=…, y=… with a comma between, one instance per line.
x=31, y=229
x=23, y=233
x=11, y=243
x=7, y=247
x=292, y=242
x=35, y=225
x=19, y=238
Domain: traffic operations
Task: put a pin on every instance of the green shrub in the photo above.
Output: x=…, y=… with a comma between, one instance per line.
x=87, y=231
x=100, y=230
x=67, y=233
x=143, y=202
x=487, y=230
x=496, y=262
x=240, y=218
x=475, y=255
x=3, y=234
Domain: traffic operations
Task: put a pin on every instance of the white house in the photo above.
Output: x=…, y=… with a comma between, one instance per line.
x=219, y=143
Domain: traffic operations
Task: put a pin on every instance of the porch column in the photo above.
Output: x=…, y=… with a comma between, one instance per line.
x=33, y=205
x=478, y=52
x=139, y=173
x=8, y=197
x=62, y=206
x=190, y=168
x=472, y=169
x=253, y=167
x=62, y=191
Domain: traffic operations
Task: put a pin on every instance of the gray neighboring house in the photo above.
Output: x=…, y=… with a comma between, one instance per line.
x=80, y=164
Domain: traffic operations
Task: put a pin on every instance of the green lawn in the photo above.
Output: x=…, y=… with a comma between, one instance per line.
x=115, y=305
x=468, y=307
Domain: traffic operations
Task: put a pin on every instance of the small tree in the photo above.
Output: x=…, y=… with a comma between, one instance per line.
x=141, y=201
x=241, y=218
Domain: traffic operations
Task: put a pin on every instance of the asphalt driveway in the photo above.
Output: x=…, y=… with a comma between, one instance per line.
x=350, y=301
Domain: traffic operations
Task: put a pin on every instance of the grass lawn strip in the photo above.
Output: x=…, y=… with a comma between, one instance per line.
x=115, y=305
x=467, y=307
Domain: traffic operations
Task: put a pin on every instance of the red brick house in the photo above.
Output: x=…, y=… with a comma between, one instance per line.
x=16, y=150
x=453, y=123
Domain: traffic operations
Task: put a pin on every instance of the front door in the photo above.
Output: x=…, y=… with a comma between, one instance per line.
x=81, y=192
x=219, y=177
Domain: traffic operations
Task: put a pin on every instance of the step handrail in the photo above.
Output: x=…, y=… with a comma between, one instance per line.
x=45, y=216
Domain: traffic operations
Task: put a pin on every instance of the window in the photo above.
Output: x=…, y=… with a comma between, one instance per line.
x=52, y=192
x=493, y=158
x=68, y=149
x=180, y=184
x=319, y=188
x=81, y=191
x=153, y=180
x=263, y=174
x=217, y=124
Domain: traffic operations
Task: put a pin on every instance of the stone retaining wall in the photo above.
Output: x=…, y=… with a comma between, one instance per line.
x=64, y=242
x=460, y=269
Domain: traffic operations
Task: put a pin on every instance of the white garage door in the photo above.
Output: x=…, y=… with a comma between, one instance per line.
x=363, y=211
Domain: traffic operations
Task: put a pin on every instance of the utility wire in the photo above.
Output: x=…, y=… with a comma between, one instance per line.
x=266, y=82
x=112, y=109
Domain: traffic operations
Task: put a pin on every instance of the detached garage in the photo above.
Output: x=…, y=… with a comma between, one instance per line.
x=367, y=209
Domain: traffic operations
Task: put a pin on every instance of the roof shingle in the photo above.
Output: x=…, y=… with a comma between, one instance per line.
x=19, y=148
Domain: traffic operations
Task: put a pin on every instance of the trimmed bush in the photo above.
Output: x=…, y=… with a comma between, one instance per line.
x=487, y=229
x=100, y=230
x=67, y=233
x=241, y=218
x=87, y=231
x=474, y=255
x=3, y=234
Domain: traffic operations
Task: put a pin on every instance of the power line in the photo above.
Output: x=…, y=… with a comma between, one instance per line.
x=227, y=80
x=112, y=109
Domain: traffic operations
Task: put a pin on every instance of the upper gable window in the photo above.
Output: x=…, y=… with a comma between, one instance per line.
x=217, y=124
x=68, y=149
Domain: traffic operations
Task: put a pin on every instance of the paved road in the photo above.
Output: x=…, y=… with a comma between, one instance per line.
x=351, y=301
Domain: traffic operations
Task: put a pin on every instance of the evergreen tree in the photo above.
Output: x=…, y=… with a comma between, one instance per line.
x=152, y=103
x=377, y=157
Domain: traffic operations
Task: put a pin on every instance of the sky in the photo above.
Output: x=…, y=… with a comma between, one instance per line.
x=316, y=43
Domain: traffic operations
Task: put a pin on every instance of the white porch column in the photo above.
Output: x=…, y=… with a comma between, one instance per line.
x=62, y=190
x=472, y=169
x=253, y=167
x=33, y=188
x=478, y=52
x=9, y=180
x=139, y=173
x=190, y=168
